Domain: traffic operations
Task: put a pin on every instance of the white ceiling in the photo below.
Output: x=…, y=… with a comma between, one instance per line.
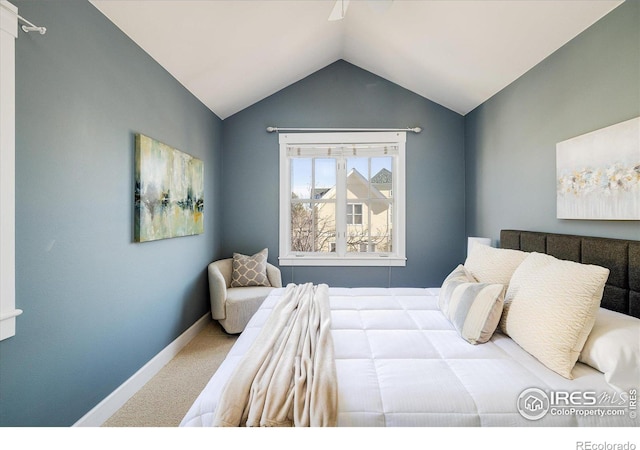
x=233, y=53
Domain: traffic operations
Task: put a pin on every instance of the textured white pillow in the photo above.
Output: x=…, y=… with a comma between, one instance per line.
x=552, y=309
x=613, y=347
x=493, y=265
x=473, y=308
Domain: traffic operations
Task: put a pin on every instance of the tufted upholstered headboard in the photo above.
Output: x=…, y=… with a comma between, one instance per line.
x=621, y=257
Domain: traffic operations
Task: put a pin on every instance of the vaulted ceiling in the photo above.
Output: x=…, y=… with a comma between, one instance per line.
x=233, y=53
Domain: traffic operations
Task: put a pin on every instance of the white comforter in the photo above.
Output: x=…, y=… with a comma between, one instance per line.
x=399, y=362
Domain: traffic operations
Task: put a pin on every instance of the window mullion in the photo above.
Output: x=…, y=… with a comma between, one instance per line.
x=312, y=204
x=399, y=202
x=369, y=204
x=341, y=206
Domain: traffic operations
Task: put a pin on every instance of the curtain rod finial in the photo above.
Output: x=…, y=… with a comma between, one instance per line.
x=271, y=129
x=31, y=27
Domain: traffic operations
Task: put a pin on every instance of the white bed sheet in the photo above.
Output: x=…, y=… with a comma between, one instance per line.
x=399, y=362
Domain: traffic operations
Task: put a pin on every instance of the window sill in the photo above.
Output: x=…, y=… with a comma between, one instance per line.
x=8, y=324
x=354, y=261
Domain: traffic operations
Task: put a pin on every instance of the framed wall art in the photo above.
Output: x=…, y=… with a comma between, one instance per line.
x=598, y=174
x=169, y=192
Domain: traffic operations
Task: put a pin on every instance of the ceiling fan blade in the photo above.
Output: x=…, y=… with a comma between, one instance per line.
x=339, y=10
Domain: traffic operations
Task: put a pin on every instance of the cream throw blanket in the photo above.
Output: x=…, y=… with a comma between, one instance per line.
x=288, y=375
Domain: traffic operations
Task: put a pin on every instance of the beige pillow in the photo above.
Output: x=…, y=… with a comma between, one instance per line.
x=553, y=305
x=473, y=308
x=250, y=270
x=493, y=265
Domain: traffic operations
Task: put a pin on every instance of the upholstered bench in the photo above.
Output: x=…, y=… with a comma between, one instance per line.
x=234, y=306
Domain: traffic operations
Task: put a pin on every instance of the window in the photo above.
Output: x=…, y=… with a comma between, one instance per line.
x=354, y=213
x=342, y=199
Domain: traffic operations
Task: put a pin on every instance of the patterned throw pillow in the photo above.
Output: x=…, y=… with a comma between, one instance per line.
x=250, y=270
x=473, y=308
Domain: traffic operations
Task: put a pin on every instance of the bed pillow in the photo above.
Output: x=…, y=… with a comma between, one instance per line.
x=613, y=348
x=459, y=275
x=250, y=270
x=493, y=265
x=473, y=308
x=552, y=308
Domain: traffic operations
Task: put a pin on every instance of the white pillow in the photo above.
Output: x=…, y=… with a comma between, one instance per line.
x=552, y=309
x=613, y=347
x=493, y=265
x=473, y=308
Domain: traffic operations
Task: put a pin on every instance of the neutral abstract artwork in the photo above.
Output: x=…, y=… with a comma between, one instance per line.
x=169, y=192
x=598, y=174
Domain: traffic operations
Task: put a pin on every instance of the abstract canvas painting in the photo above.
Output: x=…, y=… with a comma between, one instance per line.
x=598, y=174
x=169, y=192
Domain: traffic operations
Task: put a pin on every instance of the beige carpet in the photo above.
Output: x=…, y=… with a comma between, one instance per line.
x=165, y=399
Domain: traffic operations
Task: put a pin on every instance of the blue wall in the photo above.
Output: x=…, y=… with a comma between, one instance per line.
x=590, y=83
x=97, y=306
x=343, y=95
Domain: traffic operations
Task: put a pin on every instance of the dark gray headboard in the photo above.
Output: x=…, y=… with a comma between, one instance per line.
x=621, y=257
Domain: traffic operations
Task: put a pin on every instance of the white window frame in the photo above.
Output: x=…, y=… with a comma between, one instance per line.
x=8, y=35
x=342, y=258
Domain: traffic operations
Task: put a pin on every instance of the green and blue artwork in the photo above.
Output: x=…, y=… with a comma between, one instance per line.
x=169, y=192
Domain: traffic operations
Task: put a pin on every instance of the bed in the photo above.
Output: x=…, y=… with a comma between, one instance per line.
x=403, y=359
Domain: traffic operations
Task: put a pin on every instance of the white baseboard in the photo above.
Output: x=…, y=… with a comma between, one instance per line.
x=114, y=401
